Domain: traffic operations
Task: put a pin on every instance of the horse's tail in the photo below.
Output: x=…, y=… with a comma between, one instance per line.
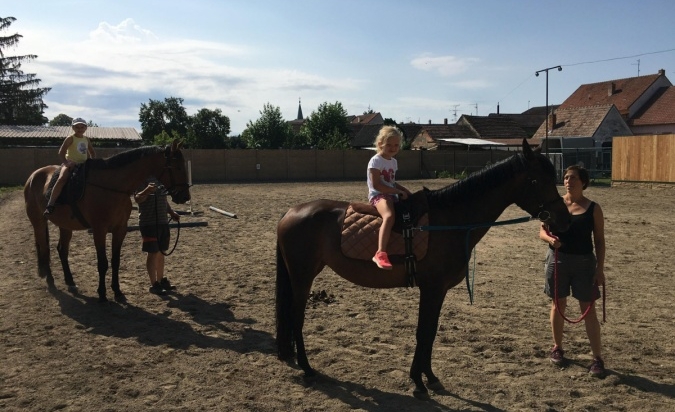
x=284, y=309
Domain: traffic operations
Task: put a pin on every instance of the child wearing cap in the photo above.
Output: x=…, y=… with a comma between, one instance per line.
x=75, y=149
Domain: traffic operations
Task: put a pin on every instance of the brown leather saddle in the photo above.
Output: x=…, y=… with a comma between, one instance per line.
x=362, y=222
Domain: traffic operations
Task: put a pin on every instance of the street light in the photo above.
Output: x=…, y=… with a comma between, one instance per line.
x=537, y=74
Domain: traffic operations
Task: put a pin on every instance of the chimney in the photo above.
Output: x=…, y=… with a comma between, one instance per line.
x=551, y=121
x=429, y=121
x=662, y=72
x=497, y=108
x=445, y=121
x=611, y=89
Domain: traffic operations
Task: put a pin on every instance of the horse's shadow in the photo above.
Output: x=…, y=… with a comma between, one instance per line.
x=129, y=321
x=359, y=397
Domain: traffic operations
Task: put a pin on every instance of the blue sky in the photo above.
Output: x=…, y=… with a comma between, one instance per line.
x=417, y=61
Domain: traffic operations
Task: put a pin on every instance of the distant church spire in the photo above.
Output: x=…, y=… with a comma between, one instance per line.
x=299, y=110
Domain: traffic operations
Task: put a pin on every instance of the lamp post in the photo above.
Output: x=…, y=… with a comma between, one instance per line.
x=537, y=74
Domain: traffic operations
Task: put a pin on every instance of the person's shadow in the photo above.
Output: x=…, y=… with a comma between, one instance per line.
x=128, y=321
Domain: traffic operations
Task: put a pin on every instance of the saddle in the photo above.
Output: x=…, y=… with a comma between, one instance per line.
x=361, y=225
x=72, y=191
x=74, y=188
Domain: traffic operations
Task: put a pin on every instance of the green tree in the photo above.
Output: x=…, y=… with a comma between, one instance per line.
x=20, y=97
x=270, y=131
x=168, y=116
x=61, y=120
x=208, y=130
x=327, y=128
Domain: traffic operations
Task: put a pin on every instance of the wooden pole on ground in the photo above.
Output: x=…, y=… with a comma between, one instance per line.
x=221, y=211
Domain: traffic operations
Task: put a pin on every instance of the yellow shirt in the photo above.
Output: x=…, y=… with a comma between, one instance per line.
x=78, y=149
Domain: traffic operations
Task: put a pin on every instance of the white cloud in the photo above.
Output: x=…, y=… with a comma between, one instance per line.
x=443, y=65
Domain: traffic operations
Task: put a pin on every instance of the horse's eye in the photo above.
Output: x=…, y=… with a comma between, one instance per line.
x=534, y=181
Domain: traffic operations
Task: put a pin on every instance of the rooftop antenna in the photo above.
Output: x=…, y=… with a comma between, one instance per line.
x=454, y=112
x=638, y=65
x=476, y=106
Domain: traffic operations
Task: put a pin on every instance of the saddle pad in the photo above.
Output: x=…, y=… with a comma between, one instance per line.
x=360, y=232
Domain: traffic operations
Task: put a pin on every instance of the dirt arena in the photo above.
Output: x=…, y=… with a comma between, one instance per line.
x=210, y=346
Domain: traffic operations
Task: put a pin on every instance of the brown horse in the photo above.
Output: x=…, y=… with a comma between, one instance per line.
x=309, y=238
x=105, y=207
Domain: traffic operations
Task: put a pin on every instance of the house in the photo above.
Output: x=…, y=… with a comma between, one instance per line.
x=588, y=126
x=645, y=103
x=54, y=135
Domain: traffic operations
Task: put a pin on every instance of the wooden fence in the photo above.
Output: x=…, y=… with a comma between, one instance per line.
x=646, y=159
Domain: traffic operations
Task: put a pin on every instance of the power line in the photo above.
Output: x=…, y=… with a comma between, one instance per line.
x=618, y=58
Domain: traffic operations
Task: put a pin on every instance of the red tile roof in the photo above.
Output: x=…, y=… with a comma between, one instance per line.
x=659, y=110
x=622, y=93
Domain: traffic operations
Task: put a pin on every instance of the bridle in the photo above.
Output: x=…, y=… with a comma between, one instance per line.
x=174, y=188
x=542, y=211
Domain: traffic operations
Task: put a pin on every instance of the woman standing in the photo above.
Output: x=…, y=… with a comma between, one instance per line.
x=578, y=267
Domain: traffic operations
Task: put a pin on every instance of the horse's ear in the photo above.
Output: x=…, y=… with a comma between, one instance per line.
x=527, y=150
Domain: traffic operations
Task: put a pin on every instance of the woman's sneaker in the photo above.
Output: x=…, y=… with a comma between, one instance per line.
x=382, y=260
x=157, y=289
x=166, y=284
x=597, y=368
x=557, y=356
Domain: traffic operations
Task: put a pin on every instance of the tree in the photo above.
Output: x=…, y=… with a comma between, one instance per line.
x=20, y=97
x=270, y=131
x=208, y=130
x=168, y=116
x=327, y=128
x=61, y=120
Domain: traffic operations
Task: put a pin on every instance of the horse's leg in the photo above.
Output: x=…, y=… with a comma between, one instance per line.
x=302, y=269
x=63, y=247
x=41, y=233
x=101, y=261
x=117, y=238
x=431, y=301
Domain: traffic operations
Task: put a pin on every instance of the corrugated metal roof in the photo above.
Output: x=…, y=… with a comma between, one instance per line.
x=472, y=141
x=61, y=132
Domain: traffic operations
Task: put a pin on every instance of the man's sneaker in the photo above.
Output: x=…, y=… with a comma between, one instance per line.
x=382, y=260
x=157, y=289
x=597, y=368
x=166, y=284
x=49, y=210
x=557, y=355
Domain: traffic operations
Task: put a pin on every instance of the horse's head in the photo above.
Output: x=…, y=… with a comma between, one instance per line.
x=174, y=176
x=540, y=197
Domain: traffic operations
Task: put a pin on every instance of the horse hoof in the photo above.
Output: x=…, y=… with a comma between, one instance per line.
x=421, y=394
x=73, y=289
x=120, y=298
x=102, y=299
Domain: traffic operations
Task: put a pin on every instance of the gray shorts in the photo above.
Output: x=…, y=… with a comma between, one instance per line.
x=574, y=272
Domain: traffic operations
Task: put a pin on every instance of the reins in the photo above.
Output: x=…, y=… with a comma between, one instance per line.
x=469, y=228
x=555, y=291
x=175, y=243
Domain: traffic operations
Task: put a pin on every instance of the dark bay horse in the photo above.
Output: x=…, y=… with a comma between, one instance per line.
x=105, y=207
x=309, y=237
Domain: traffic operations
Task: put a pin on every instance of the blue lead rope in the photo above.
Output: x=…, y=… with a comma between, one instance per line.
x=469, y=228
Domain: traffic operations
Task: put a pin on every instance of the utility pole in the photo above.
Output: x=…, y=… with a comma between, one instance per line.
x=537, y=74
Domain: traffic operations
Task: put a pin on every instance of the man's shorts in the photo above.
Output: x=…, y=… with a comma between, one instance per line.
x=155, y=238
x=574, y=272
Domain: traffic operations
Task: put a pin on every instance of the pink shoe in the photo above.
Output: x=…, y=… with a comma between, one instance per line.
x=382, y=260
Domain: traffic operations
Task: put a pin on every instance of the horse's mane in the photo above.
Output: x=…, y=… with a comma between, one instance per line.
x=124, y=158
x=493, y=175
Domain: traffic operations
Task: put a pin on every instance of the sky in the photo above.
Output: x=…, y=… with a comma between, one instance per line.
x=413, y=61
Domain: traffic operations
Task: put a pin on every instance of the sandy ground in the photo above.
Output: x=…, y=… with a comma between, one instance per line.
x=210, y=345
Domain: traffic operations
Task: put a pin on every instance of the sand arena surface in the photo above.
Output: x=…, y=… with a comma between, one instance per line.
x=210, y=346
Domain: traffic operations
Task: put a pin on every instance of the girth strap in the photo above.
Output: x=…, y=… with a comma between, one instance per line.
x=410, y=259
